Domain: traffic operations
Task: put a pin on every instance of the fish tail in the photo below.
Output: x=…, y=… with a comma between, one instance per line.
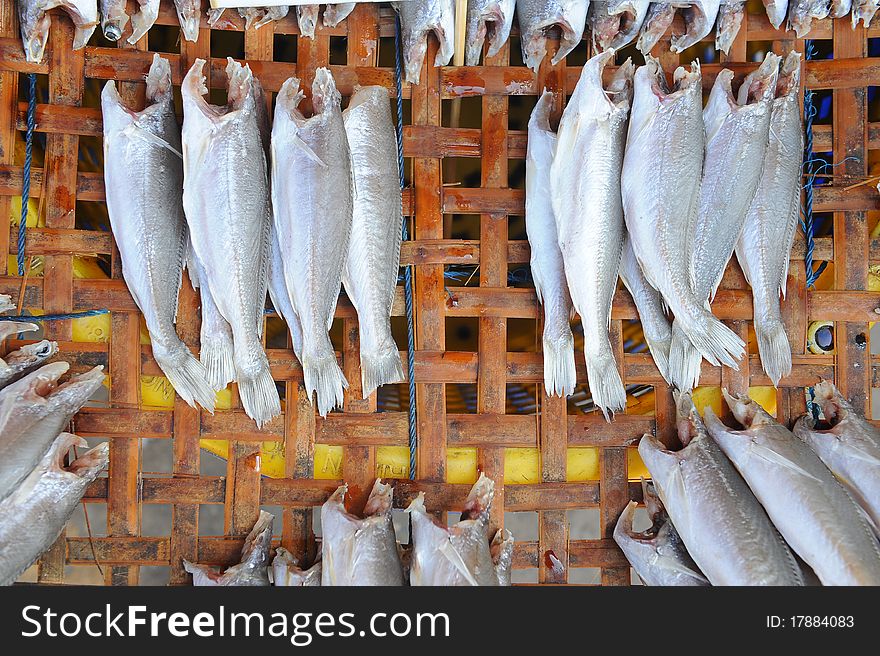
x=323, y=376
x=659, y=349
x=186, y=374
x=559, y=371
x=259, y=396
x=605, y=384
x=684, y=360
x=380, y=367
x=715, y=341
x=774, y=349
x=216, y=356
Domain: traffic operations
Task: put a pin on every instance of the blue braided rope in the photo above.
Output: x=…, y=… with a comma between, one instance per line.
x=26, y=173
x=408, y=286
x=809, y=115
x=54, y=317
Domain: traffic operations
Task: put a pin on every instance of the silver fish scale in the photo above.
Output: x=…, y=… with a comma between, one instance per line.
x=312, y=210
x=811, y=509
x=372, y=265
x=227, y=210
x=725, y=529
x=31, y=521
x=770, y=225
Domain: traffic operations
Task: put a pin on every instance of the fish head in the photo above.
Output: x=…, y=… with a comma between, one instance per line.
x=688, y=423
x=380, y=500
x=36, y=386
x=699, y=17
x=32, y=354
x=88, y=465
x=240, y=88
x=258, y=542
x=660, y=461
x=480, y=499
x=834, y=406
x=307, y=19
x=760, y=85
x=70, y=396
x=34, y=24
x=789, y=78
x=158, y=79
x=747, y=412
x=113, y=20
x=188, y=15
x=623, y=529
x=325, y=96
x=8, y=328
x=651, y=497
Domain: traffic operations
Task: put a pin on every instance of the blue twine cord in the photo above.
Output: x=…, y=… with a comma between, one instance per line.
x=408, y=287
x=54, y=317
x=807, y=224
x=26, y=174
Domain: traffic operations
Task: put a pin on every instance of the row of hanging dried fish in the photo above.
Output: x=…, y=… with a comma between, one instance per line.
x=613, y=24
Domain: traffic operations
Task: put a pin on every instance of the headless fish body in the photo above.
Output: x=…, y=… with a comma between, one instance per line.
x=357, y=551
x=850, y=448
x=726, y=531
x=252, y=569
x=661, y=200
x=585, y=189
x=764, y=247
x=802, y=12
x=536, y=17
x=34, y=23
x=33, y=516
x=287, y=573
x=864, y=10
x=490, y=19
x=335, y=14
x=228, y=214
x=736, y=142
x=24, y=360
x=373, y=261
x=417, y=19
x=311, y=160
x=811, y=509
x=616, y=23
x=658, y=554
x=33, y=411
x=143, y=169
x=548, y=270
x=730, y=17
x=649, y=304
x=460, y=555
x=776, y=10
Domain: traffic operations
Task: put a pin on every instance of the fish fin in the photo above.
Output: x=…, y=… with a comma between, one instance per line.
x=771, y=456
x=380, y=367
x=684, y=360
x=135, y=129
x=775, y=350
x=451, y=554
x=605, y=384
x=715, y=341
x=311, y=154
x=790, y=228
x=323, y=376
x=259, y=396
x=187, y=375
x=560, y=376
x=216, y=356
x=671, y=564
x=659, y=349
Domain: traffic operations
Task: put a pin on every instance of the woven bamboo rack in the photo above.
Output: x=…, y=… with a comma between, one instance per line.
x=429, y=200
